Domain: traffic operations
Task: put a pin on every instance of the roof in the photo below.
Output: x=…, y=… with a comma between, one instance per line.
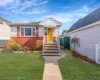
x=63, y=33
x=24, y=24
x=50, y=19
x=32, y=23
x=89, y=19
x=2, y=19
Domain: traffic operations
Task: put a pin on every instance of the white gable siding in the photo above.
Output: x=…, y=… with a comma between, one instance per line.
x=87, y=40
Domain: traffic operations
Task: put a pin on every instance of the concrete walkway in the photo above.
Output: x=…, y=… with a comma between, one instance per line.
x=51, y=69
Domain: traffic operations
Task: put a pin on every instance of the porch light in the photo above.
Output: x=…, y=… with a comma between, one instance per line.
x=45, y=32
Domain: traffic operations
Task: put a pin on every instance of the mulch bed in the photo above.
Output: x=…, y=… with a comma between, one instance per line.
x=83, y=57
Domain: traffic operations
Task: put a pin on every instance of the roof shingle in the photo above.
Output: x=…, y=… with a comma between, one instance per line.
x=89, y=19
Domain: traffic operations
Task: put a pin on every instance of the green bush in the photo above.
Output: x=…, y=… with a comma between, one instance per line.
x=13, y=46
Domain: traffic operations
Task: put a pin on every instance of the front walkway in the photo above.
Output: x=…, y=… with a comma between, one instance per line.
x=51, y=69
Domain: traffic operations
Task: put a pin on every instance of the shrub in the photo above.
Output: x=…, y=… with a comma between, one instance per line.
x=13, y=46
x=26, y=48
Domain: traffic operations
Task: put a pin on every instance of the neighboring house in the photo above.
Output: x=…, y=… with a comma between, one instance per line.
x=64, y=32
x=87, y=30
x=4, y=31
x=29, y=34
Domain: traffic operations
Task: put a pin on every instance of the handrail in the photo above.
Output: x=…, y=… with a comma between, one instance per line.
x=58, y=42
x=43, y=41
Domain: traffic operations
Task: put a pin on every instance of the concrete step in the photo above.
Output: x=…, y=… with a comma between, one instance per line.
x=50, y=45
x=50, y=51
x=50, y=54
x=50, y=48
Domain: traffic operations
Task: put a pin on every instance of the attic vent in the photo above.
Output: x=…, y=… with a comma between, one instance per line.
x=1, y=22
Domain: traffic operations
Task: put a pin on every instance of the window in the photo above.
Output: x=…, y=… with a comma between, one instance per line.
x=34, y=32
x=22, y=31
x=28, y=31
x=13, y=31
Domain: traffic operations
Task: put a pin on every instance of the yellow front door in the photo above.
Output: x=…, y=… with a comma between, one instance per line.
x=49, y=34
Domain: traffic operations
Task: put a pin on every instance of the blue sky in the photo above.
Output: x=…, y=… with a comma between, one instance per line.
x=65, y=11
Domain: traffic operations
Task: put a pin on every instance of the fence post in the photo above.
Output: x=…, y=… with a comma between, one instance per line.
x=96, y=53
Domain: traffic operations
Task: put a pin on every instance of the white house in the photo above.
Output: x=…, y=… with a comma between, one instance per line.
x=87, y=30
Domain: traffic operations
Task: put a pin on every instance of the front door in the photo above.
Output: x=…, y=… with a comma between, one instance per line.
x=49, y=34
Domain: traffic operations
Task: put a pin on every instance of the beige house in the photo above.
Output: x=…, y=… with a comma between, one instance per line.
x=4, y=31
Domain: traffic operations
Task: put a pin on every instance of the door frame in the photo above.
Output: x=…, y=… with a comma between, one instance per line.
x=47, y=35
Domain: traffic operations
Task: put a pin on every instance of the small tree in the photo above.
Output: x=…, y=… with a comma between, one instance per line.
x=74, y=41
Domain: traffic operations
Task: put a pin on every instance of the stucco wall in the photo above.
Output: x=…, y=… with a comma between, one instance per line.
x=87, y=40
x=5, y=30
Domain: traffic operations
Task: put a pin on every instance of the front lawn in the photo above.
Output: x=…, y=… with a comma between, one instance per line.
x=76, y=69
x=25, y=66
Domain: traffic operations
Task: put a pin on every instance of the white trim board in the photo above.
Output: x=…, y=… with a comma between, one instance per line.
x=4, y=38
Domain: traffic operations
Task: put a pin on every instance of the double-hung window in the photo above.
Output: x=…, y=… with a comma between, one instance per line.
x=28, y=31
x=13, y=31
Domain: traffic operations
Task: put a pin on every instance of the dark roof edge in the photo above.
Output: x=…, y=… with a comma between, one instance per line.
x=4, y=20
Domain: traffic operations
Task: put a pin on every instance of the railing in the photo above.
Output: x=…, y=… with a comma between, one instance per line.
x=58, y=43
x=43, y=41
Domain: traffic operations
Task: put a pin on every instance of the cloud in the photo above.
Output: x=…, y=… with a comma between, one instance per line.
x=44, y=2
x=84, y=9
x=66, y=17
x=66, y=7
x=35, y=11
x=28, y=4
x=5, y=2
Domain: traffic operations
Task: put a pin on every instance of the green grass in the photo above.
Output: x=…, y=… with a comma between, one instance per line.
x=76, y=69
x=25, y=66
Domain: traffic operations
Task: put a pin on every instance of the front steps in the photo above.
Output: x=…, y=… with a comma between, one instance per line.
x=50, y=49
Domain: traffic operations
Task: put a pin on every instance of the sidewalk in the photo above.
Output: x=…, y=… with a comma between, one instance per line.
x=51, y=69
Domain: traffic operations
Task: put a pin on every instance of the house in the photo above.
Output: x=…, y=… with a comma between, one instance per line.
x=87, y=31
x=64, y=32
x=34, y=35
x=4, y=31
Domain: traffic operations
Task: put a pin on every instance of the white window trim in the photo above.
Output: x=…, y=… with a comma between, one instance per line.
x=31, y=32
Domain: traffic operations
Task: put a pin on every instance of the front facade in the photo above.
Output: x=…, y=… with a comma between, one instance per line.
x=32, y=34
